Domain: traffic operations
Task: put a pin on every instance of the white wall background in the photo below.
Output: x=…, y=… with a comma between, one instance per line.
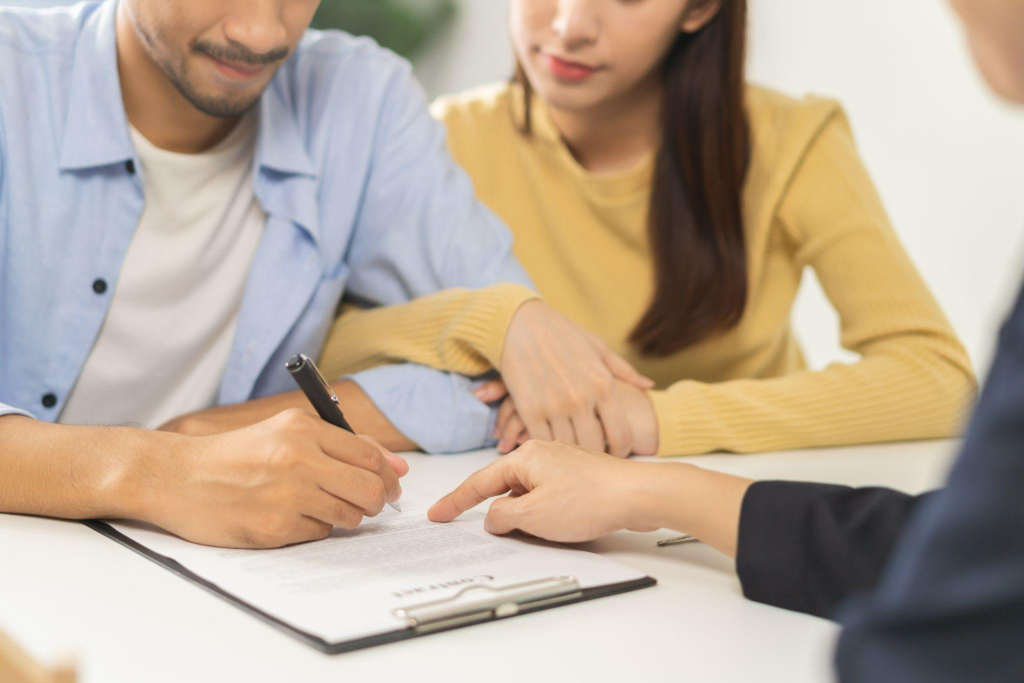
x=948, y=157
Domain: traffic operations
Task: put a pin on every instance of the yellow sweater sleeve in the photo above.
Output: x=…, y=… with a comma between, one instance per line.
x=914, y=379
x=457, y=330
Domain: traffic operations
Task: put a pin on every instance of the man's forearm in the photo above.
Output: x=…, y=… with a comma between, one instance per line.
x=364, y=416
x=696, y=501
x=74, y=472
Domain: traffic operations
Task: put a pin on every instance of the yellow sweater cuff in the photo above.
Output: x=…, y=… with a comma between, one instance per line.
x=484, y=321
x=684, y=426
x=457, y=330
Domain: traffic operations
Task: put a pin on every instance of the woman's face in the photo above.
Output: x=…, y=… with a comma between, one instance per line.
x=580, y=54
x=995, y=29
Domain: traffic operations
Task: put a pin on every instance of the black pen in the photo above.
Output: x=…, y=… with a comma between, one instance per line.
x=321, y=395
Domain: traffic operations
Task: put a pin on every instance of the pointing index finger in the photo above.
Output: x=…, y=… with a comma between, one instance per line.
x=496, y=479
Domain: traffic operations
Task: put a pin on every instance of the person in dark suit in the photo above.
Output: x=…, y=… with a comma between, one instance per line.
x=928, y=588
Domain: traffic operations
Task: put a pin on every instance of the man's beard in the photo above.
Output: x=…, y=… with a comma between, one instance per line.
x=219, y=106
x=211, y=105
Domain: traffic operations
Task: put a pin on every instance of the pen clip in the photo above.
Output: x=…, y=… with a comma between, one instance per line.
x=302, y=360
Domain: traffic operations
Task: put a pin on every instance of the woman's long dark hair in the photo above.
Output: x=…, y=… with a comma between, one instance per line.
x=696, y=218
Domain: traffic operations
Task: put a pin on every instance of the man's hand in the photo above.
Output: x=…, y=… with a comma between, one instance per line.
x=559, y=492
x=289, y=479
x=562, y=378
x=511, y=431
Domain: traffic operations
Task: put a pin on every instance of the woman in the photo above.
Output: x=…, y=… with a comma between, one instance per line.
x=949, y=605
x=671, y=208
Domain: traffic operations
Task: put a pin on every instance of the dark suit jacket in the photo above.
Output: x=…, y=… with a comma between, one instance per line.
x=937, y=583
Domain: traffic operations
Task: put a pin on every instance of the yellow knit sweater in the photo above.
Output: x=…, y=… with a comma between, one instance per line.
x=583, y=238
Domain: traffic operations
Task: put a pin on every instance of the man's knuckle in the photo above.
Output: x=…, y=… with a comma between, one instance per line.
x=373, y=458
x=376, y=494
x=348, y=517
x=277, y=528
x=321, y=531
x=282, y=458
x=294, y=419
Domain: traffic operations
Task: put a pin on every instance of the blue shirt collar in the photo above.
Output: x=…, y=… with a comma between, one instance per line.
x=279, y=145
x=96, y=130
x=96, y=133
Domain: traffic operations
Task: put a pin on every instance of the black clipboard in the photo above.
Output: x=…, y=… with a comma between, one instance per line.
x=502, y=611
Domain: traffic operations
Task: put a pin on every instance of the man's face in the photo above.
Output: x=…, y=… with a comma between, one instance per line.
x=220, y=54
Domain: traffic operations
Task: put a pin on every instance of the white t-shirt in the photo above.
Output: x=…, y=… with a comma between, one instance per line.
x=164, y=344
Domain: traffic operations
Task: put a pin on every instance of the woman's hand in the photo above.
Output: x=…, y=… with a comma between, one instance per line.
x=560, y=492
x=562, y=378
x=510, y=428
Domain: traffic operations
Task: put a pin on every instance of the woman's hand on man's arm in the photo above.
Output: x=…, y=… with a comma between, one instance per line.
x=640, y=433
x=564, y=380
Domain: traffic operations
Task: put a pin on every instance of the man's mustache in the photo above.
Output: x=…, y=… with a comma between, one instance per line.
x=237, y=54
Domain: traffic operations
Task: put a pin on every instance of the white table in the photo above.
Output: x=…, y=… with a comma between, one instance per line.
x=66, y=589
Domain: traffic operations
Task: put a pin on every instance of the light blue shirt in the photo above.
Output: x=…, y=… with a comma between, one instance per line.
x=361, y=195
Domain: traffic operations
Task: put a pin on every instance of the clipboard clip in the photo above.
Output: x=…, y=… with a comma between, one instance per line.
x=483, y=603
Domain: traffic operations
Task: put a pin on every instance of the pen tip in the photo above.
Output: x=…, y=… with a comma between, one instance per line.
x=396, y=505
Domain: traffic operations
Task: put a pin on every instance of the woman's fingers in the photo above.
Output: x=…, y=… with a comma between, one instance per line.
x=509, y=437
x=492, y=391
x=538, y=426
x=619, y=366
x=505, y=413
x=561, y=430
x=617, y=429
x=589, y=433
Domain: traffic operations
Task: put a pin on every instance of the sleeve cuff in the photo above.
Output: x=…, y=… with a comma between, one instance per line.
x=492, y=312
x=436, y=410
x=686, y=426
x=6, y=410
x=773, y=546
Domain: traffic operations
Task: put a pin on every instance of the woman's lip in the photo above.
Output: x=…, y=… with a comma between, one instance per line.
x=238, y=72
x=569, y=71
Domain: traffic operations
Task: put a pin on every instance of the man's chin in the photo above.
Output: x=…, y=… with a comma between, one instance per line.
x=223, y=106
x=226, y=109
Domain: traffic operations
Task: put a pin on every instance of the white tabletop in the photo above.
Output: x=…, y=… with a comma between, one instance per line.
x=66, y=589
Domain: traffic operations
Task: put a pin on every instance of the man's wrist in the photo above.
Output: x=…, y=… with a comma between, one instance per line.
x=137, y=488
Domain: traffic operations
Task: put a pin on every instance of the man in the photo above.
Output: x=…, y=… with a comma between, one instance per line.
x=934, y=585
x=187, y=187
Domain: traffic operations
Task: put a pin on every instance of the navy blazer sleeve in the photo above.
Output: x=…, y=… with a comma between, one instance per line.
x=806, y=547
x=950, y=605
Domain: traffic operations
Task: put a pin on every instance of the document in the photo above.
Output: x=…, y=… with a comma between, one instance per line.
x=348, y=586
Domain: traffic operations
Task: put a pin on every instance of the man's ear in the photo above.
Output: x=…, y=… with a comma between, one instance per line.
x=699, y=13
